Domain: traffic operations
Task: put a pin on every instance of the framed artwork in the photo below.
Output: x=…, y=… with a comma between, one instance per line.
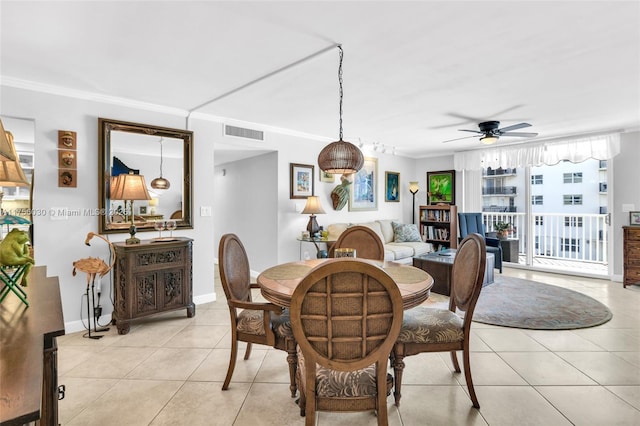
x=364, y=189
x=634, y=218
x=391, y=187
x=142, y=209
x=441, y=187
x=301, y=179
x=67, y=159
x=326, y=177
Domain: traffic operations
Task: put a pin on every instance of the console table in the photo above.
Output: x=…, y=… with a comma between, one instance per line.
x=152, y=277
x=29, y=353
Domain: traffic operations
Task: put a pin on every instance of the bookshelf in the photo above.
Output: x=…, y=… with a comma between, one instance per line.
x=439, y=225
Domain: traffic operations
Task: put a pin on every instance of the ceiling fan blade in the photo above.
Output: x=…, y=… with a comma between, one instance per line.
x=457, y=139
x=514, y=127
x=473, y=131
x=519, y=134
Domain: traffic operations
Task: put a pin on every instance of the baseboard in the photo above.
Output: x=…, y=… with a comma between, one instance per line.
x=75, y=326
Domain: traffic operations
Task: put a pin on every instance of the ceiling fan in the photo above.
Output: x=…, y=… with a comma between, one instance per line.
x=490, y=132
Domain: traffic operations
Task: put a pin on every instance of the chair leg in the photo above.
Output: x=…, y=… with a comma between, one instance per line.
x=381, y=378
x=398, y=367
x=454, y=360
x=467, y=376
x=292, y=359
x=247, y=352
x=232, y=362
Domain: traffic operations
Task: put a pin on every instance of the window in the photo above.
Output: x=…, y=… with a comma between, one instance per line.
x=572, y=200
x=536, y=200
x=539, y=220
x=536, y=180
x=573, y=221
x=570, y=244
x=572, y=177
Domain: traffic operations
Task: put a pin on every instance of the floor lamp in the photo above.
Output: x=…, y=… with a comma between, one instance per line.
x=413, y=188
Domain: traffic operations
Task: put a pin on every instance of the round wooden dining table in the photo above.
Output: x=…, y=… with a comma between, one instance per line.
x=278, y=282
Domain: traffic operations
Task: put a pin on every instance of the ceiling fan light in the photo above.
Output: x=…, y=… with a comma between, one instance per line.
x=340, y=157
x=489, y=139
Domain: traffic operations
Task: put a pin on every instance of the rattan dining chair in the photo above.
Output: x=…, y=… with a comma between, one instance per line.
x=367, y=243
x=346, y=315
x=252, y=322
x=444, y=330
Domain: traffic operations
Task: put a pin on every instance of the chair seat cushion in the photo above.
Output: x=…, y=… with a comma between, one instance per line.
x=344, y=384
x=250, y=322
x=428, y=325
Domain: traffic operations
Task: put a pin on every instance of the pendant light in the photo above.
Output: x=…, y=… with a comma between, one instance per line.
x=160, y=182
x=340, y=157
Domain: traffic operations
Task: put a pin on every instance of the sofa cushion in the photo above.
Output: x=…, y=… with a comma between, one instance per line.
x=375, y=226
x=387, y=229
x=335, y=229
x=399, y=250
x=405, y=232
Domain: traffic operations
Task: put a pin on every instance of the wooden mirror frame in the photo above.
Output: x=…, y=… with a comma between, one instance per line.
x=105, y=127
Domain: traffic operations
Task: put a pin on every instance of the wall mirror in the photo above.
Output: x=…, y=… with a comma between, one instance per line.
x=153, y=152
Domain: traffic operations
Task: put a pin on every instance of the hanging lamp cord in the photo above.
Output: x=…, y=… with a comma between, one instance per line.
x=341, y=52
x=160, y=158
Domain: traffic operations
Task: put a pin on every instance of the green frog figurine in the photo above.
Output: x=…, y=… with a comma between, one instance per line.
x=14, y=251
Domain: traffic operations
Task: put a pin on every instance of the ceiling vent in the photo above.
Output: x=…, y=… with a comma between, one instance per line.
x=241, y=132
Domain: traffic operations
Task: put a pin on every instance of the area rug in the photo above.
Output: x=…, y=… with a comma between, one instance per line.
x=519, y=303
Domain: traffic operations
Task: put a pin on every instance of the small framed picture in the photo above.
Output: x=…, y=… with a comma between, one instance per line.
x=143, y=209
x=634, y=218
x=301, y=180
x=67, y=179
x=391, y=186
x=327, y=177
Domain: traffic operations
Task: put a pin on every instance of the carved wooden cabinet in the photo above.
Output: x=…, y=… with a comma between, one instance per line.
x=631, y=250
x=152, y=277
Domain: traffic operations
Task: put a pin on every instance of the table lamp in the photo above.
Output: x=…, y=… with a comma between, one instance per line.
x=153, y=203
x=413, y=188
x=130, y=187
x=313, y=207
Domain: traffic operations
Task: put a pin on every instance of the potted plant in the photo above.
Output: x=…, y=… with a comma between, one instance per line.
x=502, y=228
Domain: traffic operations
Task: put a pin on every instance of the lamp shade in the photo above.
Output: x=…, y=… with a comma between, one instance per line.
x=413, y=187
x=313, y=206
x=340, y=157
x=7, y=149
x=11, y=173
x=130, y=187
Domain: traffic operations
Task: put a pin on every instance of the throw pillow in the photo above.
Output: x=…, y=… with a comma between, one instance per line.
x=405, y=233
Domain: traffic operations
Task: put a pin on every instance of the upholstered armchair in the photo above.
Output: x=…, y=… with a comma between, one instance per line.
x=471, y=223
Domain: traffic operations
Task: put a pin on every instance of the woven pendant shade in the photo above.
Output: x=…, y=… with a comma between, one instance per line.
x=340, y=157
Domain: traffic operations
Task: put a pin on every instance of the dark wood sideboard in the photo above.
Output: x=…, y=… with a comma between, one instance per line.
x=29, y=352
x=631, y=250
x=152, y=277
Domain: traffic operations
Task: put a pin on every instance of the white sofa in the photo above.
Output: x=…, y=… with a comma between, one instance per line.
x=402, y=252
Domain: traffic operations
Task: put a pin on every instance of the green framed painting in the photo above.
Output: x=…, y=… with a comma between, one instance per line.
x=441, y=187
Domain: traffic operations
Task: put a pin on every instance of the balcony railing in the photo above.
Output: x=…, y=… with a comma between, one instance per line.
x=500, y=209
x=577, y=237
x=500, y=190
x=498, y=172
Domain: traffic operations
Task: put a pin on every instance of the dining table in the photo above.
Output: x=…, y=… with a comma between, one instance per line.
x=278, y=283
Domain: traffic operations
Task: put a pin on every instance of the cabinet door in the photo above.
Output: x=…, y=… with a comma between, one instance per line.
x=174, y=288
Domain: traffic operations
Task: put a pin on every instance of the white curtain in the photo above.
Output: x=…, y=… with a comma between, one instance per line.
x=536, y=154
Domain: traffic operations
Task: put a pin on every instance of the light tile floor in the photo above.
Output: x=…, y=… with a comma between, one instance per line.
x=169, y=370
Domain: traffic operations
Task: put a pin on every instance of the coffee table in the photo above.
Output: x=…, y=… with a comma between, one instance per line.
x=439, y=265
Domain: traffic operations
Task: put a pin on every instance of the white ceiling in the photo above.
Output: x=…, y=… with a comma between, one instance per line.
x=414, y=72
